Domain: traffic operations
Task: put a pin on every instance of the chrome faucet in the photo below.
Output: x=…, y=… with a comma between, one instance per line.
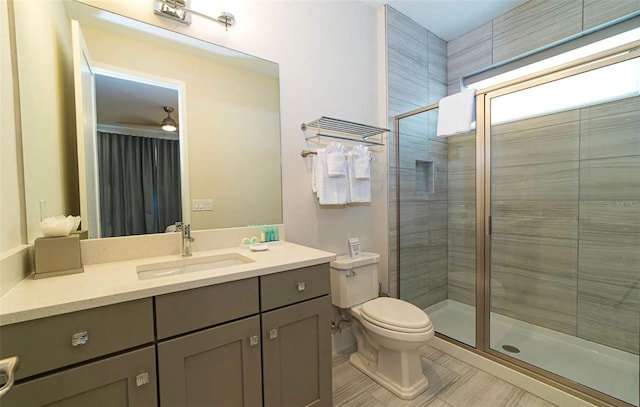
x=186, y=240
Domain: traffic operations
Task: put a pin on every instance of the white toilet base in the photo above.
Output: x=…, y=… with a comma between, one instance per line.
x=416, y=381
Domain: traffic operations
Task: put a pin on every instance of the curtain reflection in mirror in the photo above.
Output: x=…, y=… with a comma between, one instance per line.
x=139, y=180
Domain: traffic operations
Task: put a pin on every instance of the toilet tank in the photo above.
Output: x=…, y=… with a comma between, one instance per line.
x=354, y=280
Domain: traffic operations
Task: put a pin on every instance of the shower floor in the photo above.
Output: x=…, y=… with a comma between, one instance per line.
x=600, y=367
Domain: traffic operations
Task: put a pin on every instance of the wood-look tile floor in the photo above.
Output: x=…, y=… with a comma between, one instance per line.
x=452, y=383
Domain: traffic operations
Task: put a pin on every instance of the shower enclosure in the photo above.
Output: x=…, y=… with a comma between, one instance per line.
x=521, y=239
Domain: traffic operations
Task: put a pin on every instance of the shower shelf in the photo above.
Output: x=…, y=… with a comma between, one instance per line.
x=343, y=130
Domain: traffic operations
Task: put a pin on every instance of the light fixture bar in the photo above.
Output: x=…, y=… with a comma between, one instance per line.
x=225, y=19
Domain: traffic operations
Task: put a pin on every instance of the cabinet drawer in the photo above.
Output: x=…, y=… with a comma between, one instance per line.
x=52, y=342
x=293, y=286
x=186, y=311
x=124, y=380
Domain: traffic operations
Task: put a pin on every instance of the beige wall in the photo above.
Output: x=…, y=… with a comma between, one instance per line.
x=43, y=42
x=230, y=112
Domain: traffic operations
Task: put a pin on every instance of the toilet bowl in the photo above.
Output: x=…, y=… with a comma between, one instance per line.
x=389, y=332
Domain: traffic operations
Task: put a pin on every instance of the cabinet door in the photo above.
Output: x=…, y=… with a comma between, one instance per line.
x=216, y=367
x=297, y=354
x=124, y=380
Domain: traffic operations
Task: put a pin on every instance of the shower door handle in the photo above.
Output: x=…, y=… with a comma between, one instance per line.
x=489, y=226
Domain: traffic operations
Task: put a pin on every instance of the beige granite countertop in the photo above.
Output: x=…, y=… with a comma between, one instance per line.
x=110, y=283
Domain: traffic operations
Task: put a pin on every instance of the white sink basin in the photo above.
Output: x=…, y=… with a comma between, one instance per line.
x=190, y=265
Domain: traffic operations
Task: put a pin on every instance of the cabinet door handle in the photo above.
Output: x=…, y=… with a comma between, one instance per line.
x=273, y=334
x=301, y=286
x=8, y=368
x=142, y=379
x=254, y=340
x=79, y=338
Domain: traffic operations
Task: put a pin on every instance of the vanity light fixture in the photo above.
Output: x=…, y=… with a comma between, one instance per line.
x=168, y=124
x=180, y=10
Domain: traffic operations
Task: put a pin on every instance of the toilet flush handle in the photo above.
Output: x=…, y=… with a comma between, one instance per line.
x=352, y=273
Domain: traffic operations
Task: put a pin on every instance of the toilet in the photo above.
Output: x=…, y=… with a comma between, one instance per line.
x=389, y=332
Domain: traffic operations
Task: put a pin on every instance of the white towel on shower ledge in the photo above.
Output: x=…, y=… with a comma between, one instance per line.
x=456, y=113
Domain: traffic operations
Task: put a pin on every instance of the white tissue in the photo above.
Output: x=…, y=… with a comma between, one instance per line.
x=58, y=226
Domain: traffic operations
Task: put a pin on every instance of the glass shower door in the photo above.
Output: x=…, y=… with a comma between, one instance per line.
x=565, y=227
x=436, y=224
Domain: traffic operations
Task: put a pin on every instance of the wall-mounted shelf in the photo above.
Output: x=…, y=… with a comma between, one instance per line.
x=344, y=130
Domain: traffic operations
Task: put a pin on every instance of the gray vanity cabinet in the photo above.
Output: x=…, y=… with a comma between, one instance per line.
x=297, y=354
x=124, y=380
x=207, y=360
x=296, y=337
x=261, y=341
x=216, y=367
x=254, y=342
x=95, y=357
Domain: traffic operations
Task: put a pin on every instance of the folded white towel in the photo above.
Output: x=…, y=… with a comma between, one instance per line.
x=331, y=191
x=359, y=189
x=361, y=166
x=456, y=113
x=336, y=162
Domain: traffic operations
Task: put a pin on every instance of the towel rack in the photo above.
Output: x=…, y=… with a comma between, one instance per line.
x=343, y=130
x=306, y=153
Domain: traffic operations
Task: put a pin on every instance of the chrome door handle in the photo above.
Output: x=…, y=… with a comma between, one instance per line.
x=273, y=334
x=8, y=367
x=254, y=340
x=79, y=338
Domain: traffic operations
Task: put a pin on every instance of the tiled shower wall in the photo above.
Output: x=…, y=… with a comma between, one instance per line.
x=417, y=75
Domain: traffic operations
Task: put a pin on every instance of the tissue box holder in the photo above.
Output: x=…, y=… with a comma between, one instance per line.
x=57, y=256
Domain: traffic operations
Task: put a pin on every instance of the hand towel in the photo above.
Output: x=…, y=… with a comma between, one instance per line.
x=331, y=191
x=314, y=172
x=456, y=113
x=336, y=162
x=361, y=162
x=359, y=189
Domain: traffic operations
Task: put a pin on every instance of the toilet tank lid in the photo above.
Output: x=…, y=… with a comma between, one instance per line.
x=345, y=262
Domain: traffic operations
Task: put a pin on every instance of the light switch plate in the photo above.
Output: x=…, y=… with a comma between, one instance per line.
x=202, y=204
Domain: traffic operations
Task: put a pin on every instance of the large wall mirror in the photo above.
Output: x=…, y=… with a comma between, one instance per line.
x=226, y=148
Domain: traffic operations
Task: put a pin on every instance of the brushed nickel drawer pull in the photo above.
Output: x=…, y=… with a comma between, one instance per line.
x=254, y=340
x=79, y=338
x=301, y=286
x=142, y=379
x=273, y=334
x=8, y=368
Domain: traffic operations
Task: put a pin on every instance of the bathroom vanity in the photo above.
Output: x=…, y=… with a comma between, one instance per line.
x=249, y=334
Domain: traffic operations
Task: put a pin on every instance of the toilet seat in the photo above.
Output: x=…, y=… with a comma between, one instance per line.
x=395, y=315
